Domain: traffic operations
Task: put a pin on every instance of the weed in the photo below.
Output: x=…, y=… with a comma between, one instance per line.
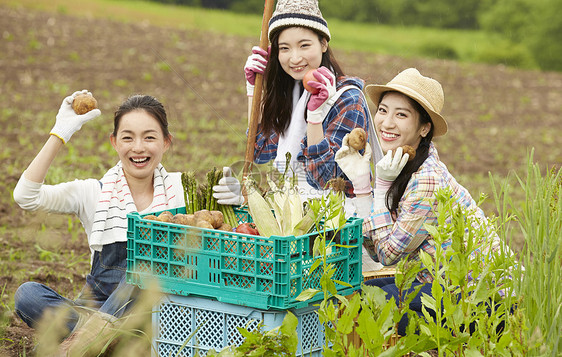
x=46, y=255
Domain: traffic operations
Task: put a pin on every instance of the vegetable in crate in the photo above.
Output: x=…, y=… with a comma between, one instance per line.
x=166, y=216
x=247, y=228
x=289, y=217
x=200, y=196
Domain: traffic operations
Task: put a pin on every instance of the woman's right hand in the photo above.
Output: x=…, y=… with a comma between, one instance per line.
x=355, y=166
x=68, y=122
x=255, y=64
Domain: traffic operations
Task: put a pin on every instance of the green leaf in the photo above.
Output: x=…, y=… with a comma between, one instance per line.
x=471, y=352
x=307, y=294
x=343, y=283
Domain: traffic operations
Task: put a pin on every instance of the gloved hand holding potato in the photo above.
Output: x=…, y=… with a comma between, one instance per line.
x=356, y=167
x=68, y=121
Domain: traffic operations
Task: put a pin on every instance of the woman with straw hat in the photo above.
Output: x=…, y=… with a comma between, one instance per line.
x=310, y=127
x=408, y=112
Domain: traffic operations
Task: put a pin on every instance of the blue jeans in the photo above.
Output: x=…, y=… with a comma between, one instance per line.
x=106, y=290
x=389, y=286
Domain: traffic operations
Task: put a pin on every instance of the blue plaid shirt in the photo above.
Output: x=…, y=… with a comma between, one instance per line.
x=348, y=112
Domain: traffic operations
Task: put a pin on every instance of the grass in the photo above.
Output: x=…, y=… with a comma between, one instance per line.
x=460, y=45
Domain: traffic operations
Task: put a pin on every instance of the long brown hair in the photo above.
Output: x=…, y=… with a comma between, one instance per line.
x=277, y=102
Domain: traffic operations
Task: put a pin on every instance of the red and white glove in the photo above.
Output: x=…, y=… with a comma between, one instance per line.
x=326, y=84
x=68, y=122
x=255, y=63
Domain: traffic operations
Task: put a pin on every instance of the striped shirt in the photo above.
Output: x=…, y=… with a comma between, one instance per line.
x=394, y=239
x=348, y=112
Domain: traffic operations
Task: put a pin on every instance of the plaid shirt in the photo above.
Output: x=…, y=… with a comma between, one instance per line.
x=393, y=239
x=348, y=112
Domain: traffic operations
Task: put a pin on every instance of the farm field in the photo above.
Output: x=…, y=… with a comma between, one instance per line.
x=496, y=115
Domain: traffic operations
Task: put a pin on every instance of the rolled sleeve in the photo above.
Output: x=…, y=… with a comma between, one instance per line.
x=265, y=148
x=349, y=112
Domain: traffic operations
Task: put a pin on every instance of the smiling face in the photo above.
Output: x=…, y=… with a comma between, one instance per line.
x=140, y=144
x=398, y=123
x=300, y=50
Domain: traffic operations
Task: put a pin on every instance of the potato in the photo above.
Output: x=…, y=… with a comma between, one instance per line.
x=407, y=149
x=83, y=103
x=218, y=218
x=151, y=217
x=225, y=227
x=180, y=218
x=357, y=139
x=204, y=215
x=166, y=216
x=203, y=224
x=190, y=219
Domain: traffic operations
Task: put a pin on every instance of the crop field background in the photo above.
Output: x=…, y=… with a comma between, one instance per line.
x=496, y=115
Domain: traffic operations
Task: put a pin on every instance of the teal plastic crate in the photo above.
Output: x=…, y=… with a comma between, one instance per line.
x=190, y=326
x=236, y=268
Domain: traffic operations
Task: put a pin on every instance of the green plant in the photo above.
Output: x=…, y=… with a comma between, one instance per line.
x=46, y=255
x=537, y=278
x=467, y=289
x=280, y=341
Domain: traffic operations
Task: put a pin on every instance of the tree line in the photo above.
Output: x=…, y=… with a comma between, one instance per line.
x=536, y=24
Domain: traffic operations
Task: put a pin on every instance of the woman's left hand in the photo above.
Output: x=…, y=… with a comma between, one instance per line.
x=326, y=84
x=389, y=167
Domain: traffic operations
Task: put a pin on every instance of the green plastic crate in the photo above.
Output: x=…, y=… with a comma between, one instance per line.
x=236, y=268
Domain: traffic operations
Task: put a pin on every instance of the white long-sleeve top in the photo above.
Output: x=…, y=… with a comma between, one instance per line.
x=79, y=197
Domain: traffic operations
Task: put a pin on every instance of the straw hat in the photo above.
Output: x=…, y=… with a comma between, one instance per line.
x=303, y=13
x=424, y=90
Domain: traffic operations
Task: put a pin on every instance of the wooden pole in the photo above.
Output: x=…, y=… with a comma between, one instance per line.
x=256, y=102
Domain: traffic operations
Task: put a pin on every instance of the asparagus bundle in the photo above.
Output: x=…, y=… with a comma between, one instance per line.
x=200, y=196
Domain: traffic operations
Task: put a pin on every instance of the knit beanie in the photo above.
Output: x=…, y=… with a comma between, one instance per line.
x=298, y=13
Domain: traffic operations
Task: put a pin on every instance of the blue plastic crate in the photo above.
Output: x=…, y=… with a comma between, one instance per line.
x=236, y=268
x=187, y=326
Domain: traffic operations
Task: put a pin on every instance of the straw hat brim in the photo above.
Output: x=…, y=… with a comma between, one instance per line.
x=374, y=91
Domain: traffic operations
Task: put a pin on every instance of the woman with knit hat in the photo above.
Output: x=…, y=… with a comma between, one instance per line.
x=404, y=202
x=310, y=127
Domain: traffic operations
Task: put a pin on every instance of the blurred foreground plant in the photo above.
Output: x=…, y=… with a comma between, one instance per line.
x=537, y=279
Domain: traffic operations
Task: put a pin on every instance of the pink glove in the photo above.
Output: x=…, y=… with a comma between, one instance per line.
x=326, y=85
x=255, y=64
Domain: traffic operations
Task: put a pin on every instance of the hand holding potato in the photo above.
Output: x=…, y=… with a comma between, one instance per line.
x=390, y=166
x=67, y=121
x=355, y=166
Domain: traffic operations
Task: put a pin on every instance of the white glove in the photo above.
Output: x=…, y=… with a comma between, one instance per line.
x=68, y=122
x=228, y=191
x=356, y=167
x=363, y=205
x=326, y=84
x=389, y=167
x=387, y=170
x=255, y=64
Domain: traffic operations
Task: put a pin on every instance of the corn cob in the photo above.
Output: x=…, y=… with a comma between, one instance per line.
x=305, y=223
x=260, y=211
